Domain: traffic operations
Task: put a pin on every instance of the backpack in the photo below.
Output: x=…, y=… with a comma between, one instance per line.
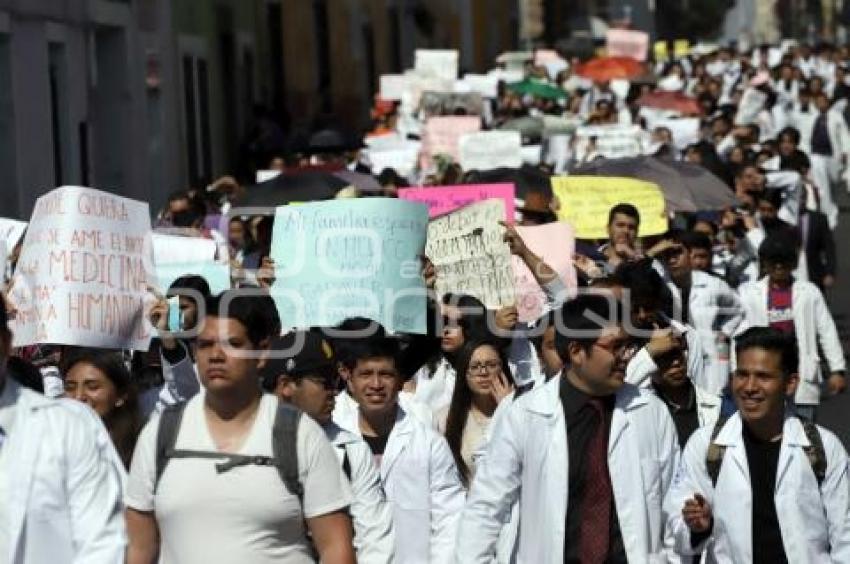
x=284, y=447
x=814, y=452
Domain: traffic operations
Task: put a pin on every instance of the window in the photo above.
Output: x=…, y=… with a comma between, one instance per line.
x=58, y=76
x=196, y=105
x=8, y=177
x=323, y=59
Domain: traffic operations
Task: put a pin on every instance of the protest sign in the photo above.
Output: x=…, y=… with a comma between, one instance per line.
x=609, y=141
x=263, y=175
x=451, y=104
x=175, y=249
x=681, y=48
x=393, y=86
x=586, y=200
x=470, y=256
x=11, y=231
x=627, y=43
x=441, y=136
x=84, y=271
x=515, y=60
x=752, y=102
x=216, y=274
x=486, y=150
x=354, y=258
x=444, y=199
x=484, y=84
x=685, y=131
x=659, y=50
x=401, y=159
x=554, y=243
x=439, y=63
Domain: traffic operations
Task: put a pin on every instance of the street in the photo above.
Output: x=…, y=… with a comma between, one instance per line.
x=835, y=412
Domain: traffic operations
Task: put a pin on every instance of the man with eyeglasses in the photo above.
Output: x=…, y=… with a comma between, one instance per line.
x=302, y=371
x=418, y=472
x=588, y=456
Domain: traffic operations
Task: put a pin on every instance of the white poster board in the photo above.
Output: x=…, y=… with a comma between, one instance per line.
x=438, y=63
x=486, y=150
x=470, y=256
x=609, y=141
x=84, y=271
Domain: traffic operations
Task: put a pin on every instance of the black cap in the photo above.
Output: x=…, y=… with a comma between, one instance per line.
x=297, y=354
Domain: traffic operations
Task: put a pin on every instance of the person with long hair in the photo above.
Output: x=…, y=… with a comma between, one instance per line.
x=100, y=379
x=486, y=381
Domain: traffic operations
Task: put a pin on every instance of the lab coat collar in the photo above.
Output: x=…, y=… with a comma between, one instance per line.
x=545, y=400
x=398, y=440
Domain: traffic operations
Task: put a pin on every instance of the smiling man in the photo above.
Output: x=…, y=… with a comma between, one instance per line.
x=763, y=486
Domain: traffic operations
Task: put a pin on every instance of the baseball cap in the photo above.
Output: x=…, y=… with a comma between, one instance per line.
x=298, y=354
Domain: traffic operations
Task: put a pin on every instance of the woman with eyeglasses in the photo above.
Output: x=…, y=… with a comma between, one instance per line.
x=485, y=383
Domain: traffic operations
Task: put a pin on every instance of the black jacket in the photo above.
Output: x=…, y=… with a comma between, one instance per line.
x=820, y=247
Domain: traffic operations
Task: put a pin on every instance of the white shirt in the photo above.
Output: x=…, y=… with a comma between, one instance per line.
x=245, y=514
x=7, y=417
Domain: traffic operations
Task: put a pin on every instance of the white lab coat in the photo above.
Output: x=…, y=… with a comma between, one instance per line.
x=371, y=515
x=423, y=487
x=811, y=521
x=65, y=489
x=813, y=324
x=715, y=311
x=527, y=460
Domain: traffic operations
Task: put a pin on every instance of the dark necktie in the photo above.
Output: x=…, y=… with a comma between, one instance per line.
x=596, y=506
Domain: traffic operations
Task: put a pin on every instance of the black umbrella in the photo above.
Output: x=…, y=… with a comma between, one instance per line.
x=295, y=187
x=709, y=192
x=677, y=195
x=525, y=178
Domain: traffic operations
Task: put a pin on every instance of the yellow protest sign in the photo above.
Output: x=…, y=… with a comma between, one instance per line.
x=585, y=202
x=681, y=48
x=659, y=49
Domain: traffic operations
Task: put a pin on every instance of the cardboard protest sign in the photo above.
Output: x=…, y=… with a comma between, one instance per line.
x=402, y=159
x=609, y=141
x=627, y=43
x=353, y=258
x=470, y=255
x=486, y=150
x=441, y=136
x=83, y=273
x=681, y=48
x=554, y=243
x=439, y=63
x=515, y=60
x=450, y=104
x=444, y=199
x=660, y=51
x=586, y=200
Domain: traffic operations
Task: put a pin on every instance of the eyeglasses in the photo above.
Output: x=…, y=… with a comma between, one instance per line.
x=489, y=366
x=624, y=350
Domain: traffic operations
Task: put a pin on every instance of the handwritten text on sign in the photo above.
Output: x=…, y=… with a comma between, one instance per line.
x=554, y=243
x=444, y=199
x=83, y=271
x=609, y=141
x=470, y=255
x=351, y=258
x=586, y=200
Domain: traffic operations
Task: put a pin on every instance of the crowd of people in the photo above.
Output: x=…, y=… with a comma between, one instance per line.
x=664, y=411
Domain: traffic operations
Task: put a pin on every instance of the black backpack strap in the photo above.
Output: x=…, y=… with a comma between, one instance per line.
x=166, y=437
x=815, y=451
x=715, y=452
x=346, y=463
x=285, y=448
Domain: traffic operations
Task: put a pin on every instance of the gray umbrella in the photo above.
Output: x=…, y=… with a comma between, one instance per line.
x=677, y=195
x=709, y=192
x=363, y=182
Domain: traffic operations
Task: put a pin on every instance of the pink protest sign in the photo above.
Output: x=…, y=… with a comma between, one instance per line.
x=554, y=243
x=627, y=43
x=444, y=199
x=441, y=136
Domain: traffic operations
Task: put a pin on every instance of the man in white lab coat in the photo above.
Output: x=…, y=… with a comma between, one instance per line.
x=763, y=486
x=417, y=469
x=799, y=309
x=588, y=457
x=302, y=371
x=59, y=484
